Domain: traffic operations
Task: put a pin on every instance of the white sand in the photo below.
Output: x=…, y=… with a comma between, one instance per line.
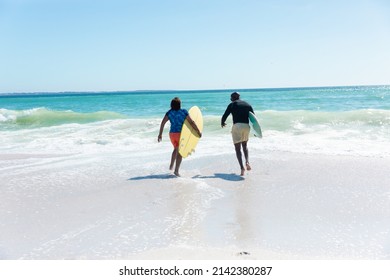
x=122, y=206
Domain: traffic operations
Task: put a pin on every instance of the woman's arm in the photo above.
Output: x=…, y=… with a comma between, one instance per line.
x=194, y=126
x=163, y=122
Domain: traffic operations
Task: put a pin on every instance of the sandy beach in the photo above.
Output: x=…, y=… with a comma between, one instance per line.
x=128, y=206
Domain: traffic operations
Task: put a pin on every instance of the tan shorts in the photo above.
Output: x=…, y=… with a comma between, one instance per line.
x=240, y=132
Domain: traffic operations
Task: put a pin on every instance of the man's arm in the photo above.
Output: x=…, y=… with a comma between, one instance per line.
x=225, y=115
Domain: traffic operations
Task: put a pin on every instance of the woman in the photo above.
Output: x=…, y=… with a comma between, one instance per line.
x=176, y=116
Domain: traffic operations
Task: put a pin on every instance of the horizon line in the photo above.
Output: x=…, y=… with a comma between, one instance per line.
x=184, y=90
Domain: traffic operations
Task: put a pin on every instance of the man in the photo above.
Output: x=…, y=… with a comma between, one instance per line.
x=240, y=130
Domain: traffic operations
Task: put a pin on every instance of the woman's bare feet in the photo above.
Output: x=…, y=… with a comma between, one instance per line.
x=242, y=172
x=248, y=167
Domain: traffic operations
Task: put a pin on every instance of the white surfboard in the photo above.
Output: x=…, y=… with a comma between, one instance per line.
x=255, y=125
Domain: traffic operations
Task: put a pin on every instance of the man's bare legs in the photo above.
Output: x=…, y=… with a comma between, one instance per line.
x=176, y=158
x=237, y=147
x=246, y=154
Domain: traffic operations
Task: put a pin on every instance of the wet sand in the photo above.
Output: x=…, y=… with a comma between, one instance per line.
x=117, y=206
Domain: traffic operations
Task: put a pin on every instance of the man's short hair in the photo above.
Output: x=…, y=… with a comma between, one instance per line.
x=235, y=95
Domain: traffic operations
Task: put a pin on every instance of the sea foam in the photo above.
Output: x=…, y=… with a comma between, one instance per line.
x=41, y=117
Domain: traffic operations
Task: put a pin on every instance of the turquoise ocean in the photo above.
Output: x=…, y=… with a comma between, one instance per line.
x=83, y=177
x=330, y=120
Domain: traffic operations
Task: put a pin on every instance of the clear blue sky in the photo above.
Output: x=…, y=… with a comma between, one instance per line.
x=93, y=45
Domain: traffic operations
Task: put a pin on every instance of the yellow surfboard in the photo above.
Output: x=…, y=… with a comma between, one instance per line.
x=188, y=136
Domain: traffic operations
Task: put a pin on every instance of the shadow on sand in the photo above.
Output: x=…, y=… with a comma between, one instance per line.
x=223, y=176
x=155, y=176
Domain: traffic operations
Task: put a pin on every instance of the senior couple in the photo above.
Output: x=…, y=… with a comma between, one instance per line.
x=240, y=130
